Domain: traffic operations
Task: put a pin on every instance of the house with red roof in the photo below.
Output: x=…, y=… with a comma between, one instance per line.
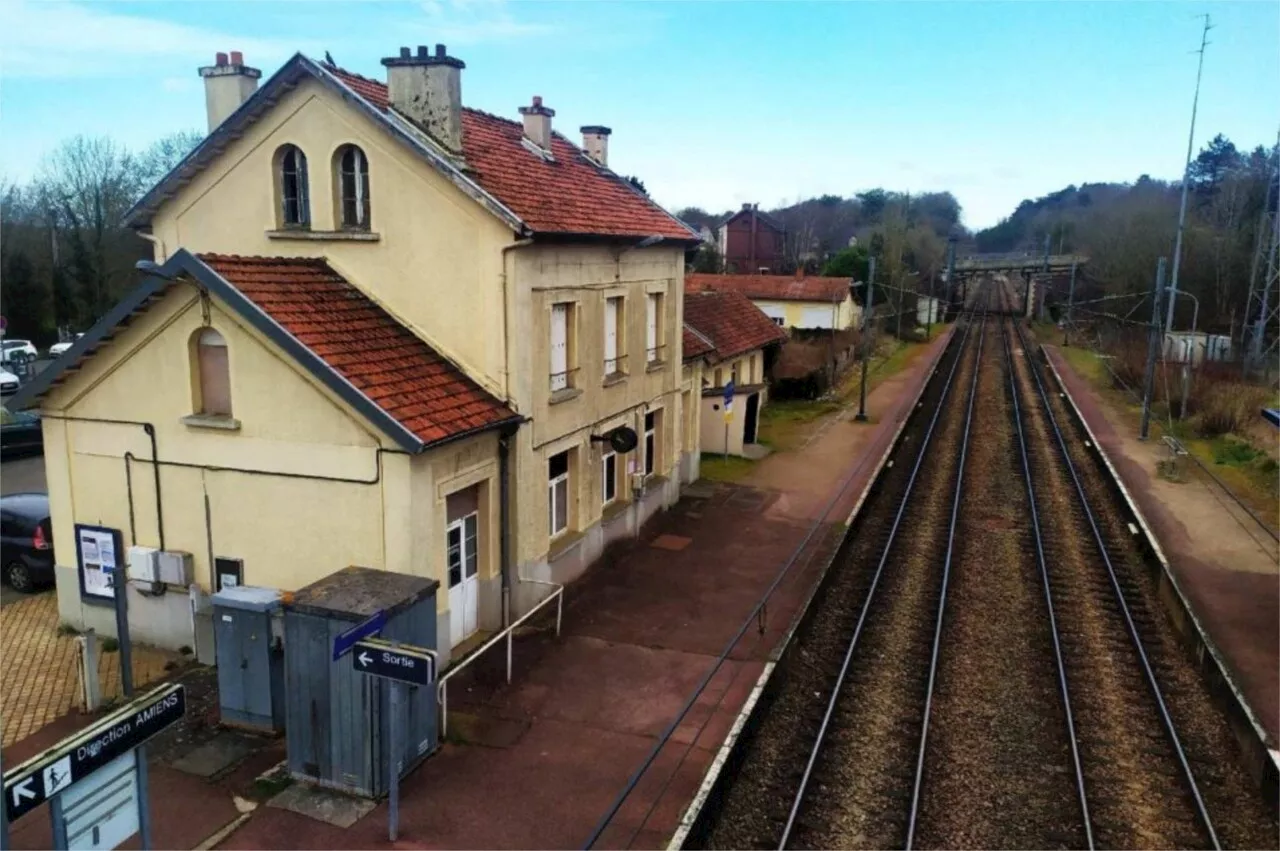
x=751, y=242
x=381, y=329
x=805, y=302
x=735, y=342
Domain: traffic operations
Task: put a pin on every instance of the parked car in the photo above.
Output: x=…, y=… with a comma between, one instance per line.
x=8, y=382
x=20, y=433
x=58, y=348
x=9, y=348
x=26, y=542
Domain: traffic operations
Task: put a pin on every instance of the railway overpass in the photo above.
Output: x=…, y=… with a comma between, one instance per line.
x=1020, y=261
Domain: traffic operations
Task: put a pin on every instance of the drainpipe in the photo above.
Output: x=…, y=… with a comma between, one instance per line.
x=504, y=525
x=158, y=243
x=506, y=311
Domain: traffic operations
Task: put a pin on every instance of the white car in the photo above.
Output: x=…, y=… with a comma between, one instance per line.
x=58, y=348
x=9, y=348
x=8, y=382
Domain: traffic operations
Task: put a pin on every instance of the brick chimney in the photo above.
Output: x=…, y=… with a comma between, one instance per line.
x=427, y=89
x=595, y=141
x=228, y=82
x=537, y=123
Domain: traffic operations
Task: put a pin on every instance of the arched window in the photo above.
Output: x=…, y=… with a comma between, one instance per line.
x=352, y=168
x=295, y=198
x=213, y=373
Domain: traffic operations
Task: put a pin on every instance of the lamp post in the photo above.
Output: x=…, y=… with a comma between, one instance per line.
x=866, y=338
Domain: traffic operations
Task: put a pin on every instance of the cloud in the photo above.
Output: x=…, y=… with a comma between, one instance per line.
x=470, y=22
x=58, y=39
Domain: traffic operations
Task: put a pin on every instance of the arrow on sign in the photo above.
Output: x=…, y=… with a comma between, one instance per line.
x=23, y=791
x=364, y=658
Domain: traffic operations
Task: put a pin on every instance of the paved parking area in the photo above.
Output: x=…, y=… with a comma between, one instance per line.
x=22, y=475
x=39, y=680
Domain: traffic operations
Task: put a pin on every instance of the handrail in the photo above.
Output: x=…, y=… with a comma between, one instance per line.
x=442, y=685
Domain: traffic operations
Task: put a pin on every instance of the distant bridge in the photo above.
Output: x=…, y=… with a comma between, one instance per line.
x=1018, y=262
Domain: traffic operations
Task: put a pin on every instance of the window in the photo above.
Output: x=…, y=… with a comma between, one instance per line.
x=651, y=442
x=295, y=200
x=558, y=492
x=353, y=187
x=613, y=322
x=214, y=374
x=562, y=346
x=719, y=382
x=779, y=321
x=609, y=477
x=653, y=328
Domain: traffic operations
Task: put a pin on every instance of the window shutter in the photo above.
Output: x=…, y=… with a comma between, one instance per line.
x=559, y=346
x=651, y=329
x=611, y=336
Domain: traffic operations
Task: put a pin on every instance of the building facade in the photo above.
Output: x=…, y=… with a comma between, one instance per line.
x=751, y=242
x=449, y=244
x=791, y=301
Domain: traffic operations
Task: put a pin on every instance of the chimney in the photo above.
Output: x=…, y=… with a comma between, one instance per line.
x=595, y=141
x=427, y=89
x=227, y=84
x=537, y=123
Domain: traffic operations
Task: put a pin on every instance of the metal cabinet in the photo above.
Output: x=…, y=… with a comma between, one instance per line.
x=250, y=659
x=337, y=720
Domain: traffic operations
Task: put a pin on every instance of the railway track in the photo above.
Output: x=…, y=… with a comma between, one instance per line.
x=987, y=664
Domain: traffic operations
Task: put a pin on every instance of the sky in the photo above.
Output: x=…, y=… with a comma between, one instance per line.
x=712, y=103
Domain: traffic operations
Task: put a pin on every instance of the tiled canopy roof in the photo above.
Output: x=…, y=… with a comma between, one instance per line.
x=730, y=321
x=569, y=194
x=772, y=287
x=377, y=355
x=695, y=345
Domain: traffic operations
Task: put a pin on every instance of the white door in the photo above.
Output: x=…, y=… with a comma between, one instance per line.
x=464, y=591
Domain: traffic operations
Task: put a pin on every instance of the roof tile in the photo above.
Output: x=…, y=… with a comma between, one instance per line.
x=773, y=287
x=363, y=343
x=730, y=321
x=569, y=194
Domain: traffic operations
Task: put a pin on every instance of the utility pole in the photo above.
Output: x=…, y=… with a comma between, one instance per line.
x=1153, y=343
x=1186, y=173
x=951, y=271
x=1071, y=296
x=866, y=338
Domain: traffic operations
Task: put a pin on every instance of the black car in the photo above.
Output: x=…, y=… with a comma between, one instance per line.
x=20, y=434
x=26, y=541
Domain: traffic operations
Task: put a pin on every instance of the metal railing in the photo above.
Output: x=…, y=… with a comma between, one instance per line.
x=442, y=686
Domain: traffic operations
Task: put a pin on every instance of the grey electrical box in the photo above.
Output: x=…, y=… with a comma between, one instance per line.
x=337, y=719
x=250, y=658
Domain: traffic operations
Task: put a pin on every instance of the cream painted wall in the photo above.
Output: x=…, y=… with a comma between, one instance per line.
x=586, y=276
x=288, y=531
x=435, y=244
x=806, y=314
x=749, y=366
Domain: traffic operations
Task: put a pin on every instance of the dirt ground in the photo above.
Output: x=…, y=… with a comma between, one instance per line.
x=1226, y=563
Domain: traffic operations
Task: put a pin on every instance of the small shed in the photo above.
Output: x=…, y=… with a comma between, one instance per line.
x=338, y=724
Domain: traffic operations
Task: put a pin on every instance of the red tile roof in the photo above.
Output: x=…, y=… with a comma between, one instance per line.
x=773, y=287
x=695, y=345
x=568, y=195
x=363, y=343
x=730, y=321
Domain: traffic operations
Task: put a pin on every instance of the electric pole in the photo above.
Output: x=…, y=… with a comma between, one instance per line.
x=1186, y=174
x=1153, y=348
x=866, y=338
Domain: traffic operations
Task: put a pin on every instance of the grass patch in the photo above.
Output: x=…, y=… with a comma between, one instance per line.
x=720, y=469
x=110, y=645
x=65, y=628
x=784, y=423
x=1168, y=470
x=1088, y=364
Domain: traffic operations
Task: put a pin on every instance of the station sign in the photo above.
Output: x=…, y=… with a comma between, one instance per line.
x=402, y=662
x=40, y=778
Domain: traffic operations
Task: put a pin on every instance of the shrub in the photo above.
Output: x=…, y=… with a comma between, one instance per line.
x=1223, y=408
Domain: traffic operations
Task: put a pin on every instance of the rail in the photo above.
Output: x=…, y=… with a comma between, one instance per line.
x=946, y=581
x=442, y=686
x=1166, y=719
x=1063, y=688
x=866, y=606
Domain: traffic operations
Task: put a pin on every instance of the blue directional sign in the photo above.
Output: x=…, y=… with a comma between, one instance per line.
x=73, y=759
x=403, y=662
x=372, y=626
x=728, y=392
